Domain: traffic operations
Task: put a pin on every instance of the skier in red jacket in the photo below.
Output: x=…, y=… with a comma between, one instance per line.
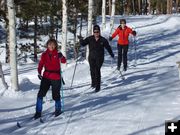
x=123, y=32
x=51, y=62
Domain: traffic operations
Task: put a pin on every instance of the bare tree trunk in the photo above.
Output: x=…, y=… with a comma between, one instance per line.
x=12, y=43
x=158, y=7
x=169, y=6
x=35, y=35
x=145, y=7
x=90, y=19
x=75, y=18
x=139, y=7
x=128, y=7
x=133, y=5
x=103, y=15
x=177, y=6
x=64, y=28
x=149, y=6
x=80, y=29
x=112, y=16
x=161, y=8
x=4, y=13
x=2, y=77
x=110, y=7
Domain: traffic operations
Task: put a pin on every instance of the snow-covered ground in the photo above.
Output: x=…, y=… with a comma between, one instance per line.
x=140, y=105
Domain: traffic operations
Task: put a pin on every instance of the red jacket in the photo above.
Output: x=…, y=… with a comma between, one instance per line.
x=51, y=62
x=123, y=35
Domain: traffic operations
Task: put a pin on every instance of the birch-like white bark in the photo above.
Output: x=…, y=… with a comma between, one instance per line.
x=12, y=43
x=64, y=27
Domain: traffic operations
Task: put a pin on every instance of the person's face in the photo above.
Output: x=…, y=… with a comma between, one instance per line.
x=96, y=33
x=51, y=46
x=123, y=24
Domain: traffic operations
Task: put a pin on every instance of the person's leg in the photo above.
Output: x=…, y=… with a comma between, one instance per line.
x=92, y=65
x=125, y=51
x=99, y=63
x=44, y=86
x=119, y=57
x=56, y=85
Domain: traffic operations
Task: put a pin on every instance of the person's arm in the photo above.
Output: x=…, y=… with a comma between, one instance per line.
x=114, y=34
x=41, y=64
x=61, y=57
x=133, y=32
x=108, y=48
x=84, y=42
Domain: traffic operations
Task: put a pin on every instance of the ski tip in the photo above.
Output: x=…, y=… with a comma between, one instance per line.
x=18, y=125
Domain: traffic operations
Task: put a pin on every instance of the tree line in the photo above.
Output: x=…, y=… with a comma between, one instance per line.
x=40, y=11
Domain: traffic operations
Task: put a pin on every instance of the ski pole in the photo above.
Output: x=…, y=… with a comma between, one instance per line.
x=111, y=26
x=135, y=48
x=75, y=66
x=62, y=93
x=135, y=52
x=61, y=89
x=74, y=73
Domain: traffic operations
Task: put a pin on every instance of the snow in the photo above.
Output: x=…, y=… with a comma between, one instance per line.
x=140, y=105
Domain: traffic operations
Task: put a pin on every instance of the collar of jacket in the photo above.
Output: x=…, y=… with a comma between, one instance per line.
x=121, y=27
x=99, y=36
x=52, y=52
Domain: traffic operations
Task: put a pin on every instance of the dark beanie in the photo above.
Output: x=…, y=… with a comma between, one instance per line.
x=96, y=27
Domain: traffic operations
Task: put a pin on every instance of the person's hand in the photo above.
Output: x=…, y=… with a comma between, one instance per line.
x=40, y=77
x=134, y=33
x=60, y=55
x=110, y=38
x=112, y=55
x=80, y=37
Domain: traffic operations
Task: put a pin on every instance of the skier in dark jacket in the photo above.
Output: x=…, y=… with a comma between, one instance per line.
x=50, y=61
x=96, y=44
x=123, y=32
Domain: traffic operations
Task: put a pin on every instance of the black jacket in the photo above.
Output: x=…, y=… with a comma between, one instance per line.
x=96, y=48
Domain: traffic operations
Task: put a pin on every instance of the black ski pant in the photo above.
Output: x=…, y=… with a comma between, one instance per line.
x=95, y=70
x=45, y=85
x=122, y=55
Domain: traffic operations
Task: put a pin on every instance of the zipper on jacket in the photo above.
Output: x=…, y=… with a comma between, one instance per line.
x=50, y=56
x=123, y=34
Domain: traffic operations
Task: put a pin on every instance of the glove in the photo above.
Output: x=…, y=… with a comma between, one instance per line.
x=110, y=38
x=60, y=55
x=80, y=37
x=134, y=33
x=40, y=77
x=112, y=55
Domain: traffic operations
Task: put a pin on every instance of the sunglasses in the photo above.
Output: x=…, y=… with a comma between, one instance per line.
x=96, y=31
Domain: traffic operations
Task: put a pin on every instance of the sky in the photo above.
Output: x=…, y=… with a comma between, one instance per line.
x=138, y=105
